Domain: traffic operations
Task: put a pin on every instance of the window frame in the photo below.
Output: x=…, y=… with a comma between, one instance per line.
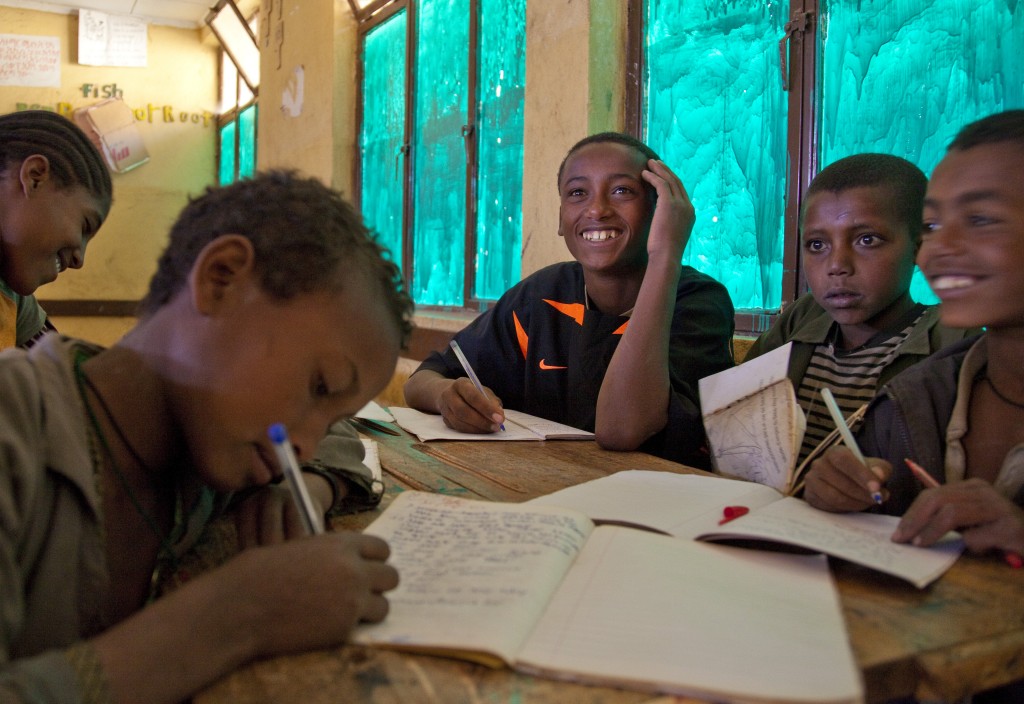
x=800, y=47
x=374, y=15
x=231, y=114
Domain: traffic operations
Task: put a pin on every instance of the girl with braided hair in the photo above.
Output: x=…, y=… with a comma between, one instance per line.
x=55, y=192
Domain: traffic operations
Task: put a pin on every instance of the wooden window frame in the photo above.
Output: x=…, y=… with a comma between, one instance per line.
x=800, y=81
x=376, y=14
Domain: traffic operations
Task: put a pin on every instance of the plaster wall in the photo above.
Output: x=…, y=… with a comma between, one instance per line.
x=176, y=97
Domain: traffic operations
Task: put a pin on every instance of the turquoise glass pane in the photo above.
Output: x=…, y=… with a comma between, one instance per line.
x=383, y=132
x=226, y=172
x=903, y=76
x=499, y=193
x=439, y=155
x=247, y=142
x=716, y=113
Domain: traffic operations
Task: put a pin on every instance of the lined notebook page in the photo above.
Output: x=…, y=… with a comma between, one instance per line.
x=475, y=575
x=655, y=612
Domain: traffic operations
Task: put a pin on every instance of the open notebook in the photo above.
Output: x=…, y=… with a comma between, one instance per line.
x=518, y=426
x=693, y=506
x=542, y=590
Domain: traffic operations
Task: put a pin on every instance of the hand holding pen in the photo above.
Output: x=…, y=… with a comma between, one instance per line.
x=986, y=519
x=874, y=486
x=464, y=410
x=312, y=521
x=842, y=480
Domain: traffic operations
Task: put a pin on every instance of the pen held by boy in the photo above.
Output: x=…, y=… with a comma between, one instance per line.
x=1012, y=558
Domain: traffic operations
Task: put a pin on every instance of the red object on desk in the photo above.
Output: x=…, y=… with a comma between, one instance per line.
x=731, y=513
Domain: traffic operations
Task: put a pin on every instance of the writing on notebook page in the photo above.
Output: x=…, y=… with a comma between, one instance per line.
x=500, y=541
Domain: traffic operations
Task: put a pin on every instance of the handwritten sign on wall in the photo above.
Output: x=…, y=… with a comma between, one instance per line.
x=110, y=40
x=27, y=60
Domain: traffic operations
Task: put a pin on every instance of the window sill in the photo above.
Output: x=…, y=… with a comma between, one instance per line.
x=433, y=330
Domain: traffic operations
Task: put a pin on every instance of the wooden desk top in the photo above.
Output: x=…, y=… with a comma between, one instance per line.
x=963, y=634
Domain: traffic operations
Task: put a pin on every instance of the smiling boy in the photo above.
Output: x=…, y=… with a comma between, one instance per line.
x=960, y=413
x=613, y=342
x=858, y=326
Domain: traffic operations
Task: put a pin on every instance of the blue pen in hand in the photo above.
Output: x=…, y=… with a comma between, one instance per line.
x=469, y=370
x=308, y=513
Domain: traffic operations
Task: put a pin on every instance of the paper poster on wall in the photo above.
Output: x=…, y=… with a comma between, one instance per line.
x=111, y=123
x=110, y=40
x=27, y=60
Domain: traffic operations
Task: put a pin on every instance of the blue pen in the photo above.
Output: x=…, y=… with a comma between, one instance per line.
x=469, y=370
x=311, y=518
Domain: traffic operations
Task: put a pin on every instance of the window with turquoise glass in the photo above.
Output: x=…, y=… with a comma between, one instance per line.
x=383, y=131
x=226, y=170
x=439, y=152
x=446, y=197
x=237, y=122
x=903, y=76
x=247, y=142
x=715, y=112
x=894, y=76
x=500, y=88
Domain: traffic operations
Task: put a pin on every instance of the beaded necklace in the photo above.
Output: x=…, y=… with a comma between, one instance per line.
x=167, y=556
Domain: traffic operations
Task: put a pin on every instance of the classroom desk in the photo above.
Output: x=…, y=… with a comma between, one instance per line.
x=963, y=634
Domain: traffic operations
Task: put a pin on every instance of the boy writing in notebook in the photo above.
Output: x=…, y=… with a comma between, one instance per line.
x=613, y=342
x=960, y=413
x=858, y=326
x=271, y=304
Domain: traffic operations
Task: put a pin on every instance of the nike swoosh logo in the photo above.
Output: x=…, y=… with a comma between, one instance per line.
x=544, y=365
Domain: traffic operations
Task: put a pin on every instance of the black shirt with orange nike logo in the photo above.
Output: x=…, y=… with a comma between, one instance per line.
x=542, y=351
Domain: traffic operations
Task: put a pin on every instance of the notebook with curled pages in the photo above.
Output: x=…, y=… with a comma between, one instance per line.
x=755, y=425
x=518, y=426
x=545, y=591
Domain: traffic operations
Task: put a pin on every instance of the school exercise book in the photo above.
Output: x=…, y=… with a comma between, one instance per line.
x=755, y=425
x=693, y=506
x=543, y=590
x=518, y=426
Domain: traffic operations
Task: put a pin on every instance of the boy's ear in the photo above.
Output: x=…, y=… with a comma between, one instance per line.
x=34, y=172
x=222, y=271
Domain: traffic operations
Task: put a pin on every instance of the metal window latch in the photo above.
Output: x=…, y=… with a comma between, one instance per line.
x=467, y=136
x=403, y=151
x=798, y=23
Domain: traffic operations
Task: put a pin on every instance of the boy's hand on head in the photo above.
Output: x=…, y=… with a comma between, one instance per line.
x=673, y=214
x=986, y=519
x=837, y=481
x=465, y=409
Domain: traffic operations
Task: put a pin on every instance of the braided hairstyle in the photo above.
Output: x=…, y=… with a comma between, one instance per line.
x=74, y=159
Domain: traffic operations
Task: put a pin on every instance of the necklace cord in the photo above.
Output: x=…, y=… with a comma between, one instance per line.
x=1001, y=396
x=83, y=382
